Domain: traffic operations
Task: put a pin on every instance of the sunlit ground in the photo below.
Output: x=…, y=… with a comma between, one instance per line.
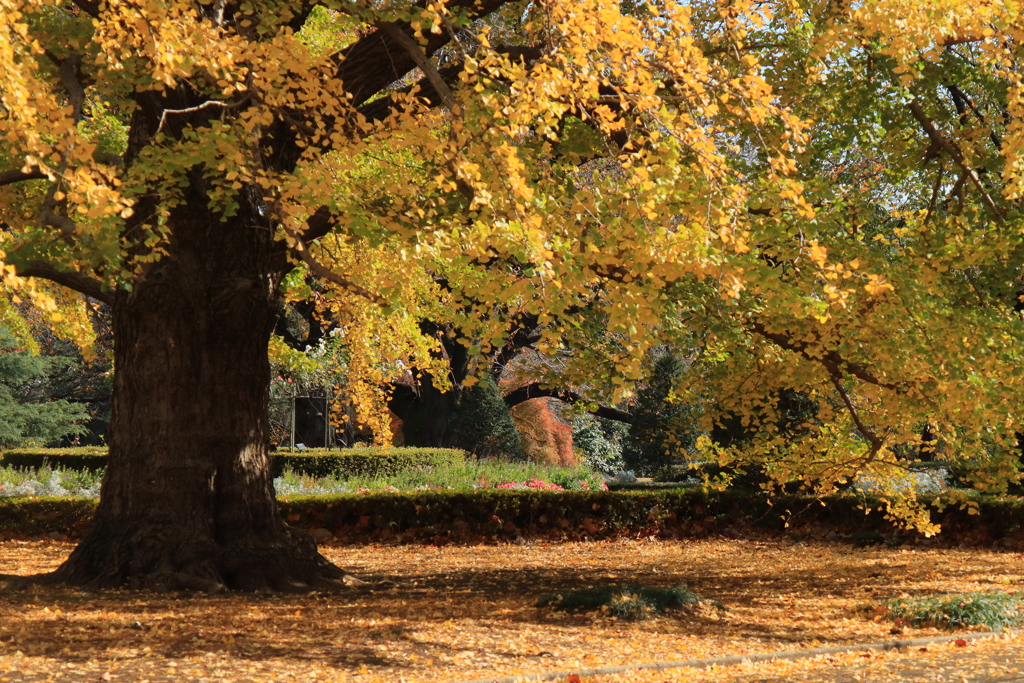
x=460, y=613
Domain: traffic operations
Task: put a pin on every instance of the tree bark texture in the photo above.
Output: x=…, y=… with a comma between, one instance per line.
x=188, y=500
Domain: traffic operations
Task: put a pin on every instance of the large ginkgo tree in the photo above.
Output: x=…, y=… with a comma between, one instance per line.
x=814, y=197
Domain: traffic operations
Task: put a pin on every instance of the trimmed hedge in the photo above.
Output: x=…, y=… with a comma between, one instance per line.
x=362, y=462
x=491, y=515
x=89, y=458
x=40, y=516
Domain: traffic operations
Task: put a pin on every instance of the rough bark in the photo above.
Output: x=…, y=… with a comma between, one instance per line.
x=188, y=501
x=426, y=412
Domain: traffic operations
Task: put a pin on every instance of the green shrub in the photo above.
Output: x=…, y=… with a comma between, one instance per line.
x=994, y=610
x=83, y=458
x=477, y=474
x=370, y=462
x=662, y=427
x=28, y=412
x=349, y=462
x=482, y=423
x=599, y=441
x=489, y=515
x=633, y=603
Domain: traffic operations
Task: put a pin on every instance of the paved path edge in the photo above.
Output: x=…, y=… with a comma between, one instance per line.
x=731, y=660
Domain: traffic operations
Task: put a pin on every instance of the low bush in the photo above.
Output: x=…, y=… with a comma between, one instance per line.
x=86, y=458
x=490, y=515
x=633, y=603
x=33, y=482
x=962, y=610
x=463, y=475
x=370, y=462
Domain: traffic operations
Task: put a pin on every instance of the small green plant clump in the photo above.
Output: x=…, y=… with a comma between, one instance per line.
x=631, y=603
x=31, y=482
x=961, y=610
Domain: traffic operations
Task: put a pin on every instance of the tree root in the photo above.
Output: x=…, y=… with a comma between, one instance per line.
x=282, y=561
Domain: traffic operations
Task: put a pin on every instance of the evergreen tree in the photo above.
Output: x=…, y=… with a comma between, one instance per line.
x=481, y=423
x=26, y=413
x=660, y=426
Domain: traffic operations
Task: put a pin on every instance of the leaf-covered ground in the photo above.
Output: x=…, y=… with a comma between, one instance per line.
x=459, y=613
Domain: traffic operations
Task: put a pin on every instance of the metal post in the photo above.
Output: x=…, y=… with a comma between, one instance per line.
x=327, y=421
x=293, y=419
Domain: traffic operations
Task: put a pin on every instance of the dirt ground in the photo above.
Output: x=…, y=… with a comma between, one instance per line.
x=465, y=613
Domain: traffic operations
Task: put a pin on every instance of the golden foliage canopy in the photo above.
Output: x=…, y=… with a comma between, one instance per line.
x=810, y=196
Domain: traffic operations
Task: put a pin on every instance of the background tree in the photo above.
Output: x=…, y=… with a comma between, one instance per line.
x=664, y=429
x=28, y=414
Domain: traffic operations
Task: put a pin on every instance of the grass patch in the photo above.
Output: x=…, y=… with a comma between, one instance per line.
x=468, y=475
x=632, y=603
x=961, y=610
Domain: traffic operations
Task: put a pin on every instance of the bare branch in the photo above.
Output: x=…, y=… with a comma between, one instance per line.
x=198, y=107
x=379, y=109
x=831, y=360
x=69, y=67
x=90, y=7
x=79, y=282
x=50, y=219
x=318, y=225
x=218, y=12
x=421, y=60
x=876, y=442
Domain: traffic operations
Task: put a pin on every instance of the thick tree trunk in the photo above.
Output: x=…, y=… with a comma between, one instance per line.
x=188, y=501
x=427, y=415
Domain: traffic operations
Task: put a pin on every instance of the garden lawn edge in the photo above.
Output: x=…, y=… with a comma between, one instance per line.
x=440, y=517
x=733, y=660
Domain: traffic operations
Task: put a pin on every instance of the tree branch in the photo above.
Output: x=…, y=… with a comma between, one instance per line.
x=406, y=42
x=318, y=225
x=19, y=175
x=939, y=140
x=535, y=390
x=876, y=442
x=79, y=282
x=375, y=61
x=90, y=7
x=831, y=360
x=381, y=108
x=299, y=249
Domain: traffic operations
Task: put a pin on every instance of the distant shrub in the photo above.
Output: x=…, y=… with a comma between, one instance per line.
x=661, y=426
x=34, y=482
x=993, y=610
x=482, y=423
x=599, y=441
x=84, y=458
x=369, y=462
